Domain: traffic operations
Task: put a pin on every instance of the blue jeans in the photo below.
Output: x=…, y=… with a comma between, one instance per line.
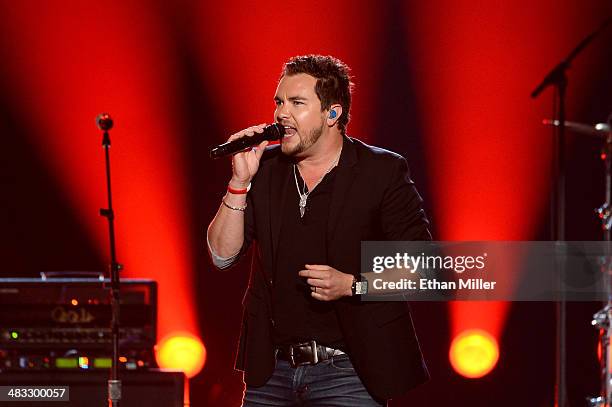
x=332, y=383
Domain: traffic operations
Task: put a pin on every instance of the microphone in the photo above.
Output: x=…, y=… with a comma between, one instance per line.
x=104, y=122
x=270, y=132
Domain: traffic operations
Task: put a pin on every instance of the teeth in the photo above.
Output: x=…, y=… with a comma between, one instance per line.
x=289, y=131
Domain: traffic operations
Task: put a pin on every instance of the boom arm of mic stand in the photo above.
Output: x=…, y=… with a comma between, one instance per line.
x=558, y=72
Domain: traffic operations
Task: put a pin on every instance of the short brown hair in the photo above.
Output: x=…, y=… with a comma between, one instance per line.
x=333, y=81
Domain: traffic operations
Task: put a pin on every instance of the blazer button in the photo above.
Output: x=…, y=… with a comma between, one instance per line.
x=272, y=322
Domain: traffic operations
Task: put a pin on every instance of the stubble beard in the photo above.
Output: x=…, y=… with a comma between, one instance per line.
x=304, y=143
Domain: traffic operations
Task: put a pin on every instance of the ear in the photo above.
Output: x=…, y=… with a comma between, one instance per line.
x=333, y=114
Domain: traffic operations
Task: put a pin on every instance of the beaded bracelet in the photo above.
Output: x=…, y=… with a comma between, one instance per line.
x=234, y=208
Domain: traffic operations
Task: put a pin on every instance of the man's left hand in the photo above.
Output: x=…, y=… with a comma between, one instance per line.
x=327, y=283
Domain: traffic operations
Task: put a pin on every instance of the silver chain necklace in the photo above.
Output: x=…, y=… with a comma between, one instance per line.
x=304, y=195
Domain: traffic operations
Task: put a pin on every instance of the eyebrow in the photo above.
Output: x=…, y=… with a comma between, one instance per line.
x=291, y=99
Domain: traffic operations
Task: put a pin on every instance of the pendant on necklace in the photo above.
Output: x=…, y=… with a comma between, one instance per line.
x=303, y=199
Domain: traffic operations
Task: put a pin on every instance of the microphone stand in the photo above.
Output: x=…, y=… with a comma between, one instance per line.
x=557, y=77
x=105, y=123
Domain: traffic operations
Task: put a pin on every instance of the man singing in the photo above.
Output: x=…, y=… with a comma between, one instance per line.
x=304, y=207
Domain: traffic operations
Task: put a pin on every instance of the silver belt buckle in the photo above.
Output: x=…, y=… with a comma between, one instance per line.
x=313, y=347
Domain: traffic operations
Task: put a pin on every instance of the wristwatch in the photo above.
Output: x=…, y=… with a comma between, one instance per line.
x=359, y=287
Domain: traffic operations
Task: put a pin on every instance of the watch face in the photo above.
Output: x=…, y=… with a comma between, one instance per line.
x=361, y=287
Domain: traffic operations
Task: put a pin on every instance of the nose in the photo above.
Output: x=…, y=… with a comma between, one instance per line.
x=282, y=113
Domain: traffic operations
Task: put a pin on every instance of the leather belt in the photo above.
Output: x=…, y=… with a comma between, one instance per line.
x=306, y=353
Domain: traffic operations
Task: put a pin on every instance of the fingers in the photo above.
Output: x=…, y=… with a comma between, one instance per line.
x=260, y=149
x=319, y=282
x=315, y=282
x=321, y=274
x=246, y=163
x=317, y=267
x=250, y=131
x=325, y=282
x=318, y=296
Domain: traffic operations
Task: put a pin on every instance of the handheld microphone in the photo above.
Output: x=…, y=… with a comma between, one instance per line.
x=270, y=132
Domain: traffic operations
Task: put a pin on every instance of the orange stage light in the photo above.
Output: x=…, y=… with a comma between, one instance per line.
x=474, y=353
x=181, y=351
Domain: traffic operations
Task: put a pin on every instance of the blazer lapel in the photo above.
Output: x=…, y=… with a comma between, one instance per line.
x=346, y=171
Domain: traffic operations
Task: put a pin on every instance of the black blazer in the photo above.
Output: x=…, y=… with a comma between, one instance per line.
x=373, y=199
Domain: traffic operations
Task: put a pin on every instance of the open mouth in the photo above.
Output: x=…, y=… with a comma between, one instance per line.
x=289, y=130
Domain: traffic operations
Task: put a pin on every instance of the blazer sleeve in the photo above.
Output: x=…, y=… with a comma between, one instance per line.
x=402, y=213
